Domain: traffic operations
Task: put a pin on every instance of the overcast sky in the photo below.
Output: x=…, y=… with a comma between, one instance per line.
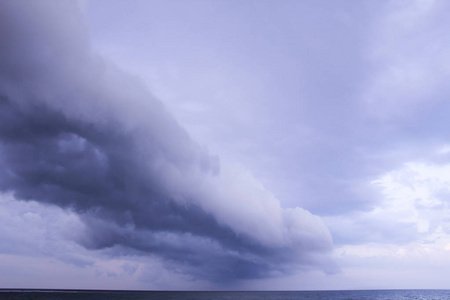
x=224, y=144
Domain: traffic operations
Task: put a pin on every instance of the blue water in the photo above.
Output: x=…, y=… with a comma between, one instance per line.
x=315, y=295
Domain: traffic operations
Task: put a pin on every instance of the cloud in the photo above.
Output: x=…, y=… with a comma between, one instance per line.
x=32, y=229
x=407, y=232
x=80, y=134
x=414, y=202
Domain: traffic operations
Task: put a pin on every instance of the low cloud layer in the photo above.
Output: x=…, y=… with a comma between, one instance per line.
x=78, y=133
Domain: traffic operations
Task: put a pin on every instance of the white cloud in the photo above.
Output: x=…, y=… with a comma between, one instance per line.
x=409, y=229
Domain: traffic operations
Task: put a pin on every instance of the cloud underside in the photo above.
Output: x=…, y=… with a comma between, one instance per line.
x=78, y=133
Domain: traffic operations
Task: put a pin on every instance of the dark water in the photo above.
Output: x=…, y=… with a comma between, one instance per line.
x=319, y=295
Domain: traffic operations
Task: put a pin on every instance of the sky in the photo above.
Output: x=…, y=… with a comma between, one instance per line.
x=224, y=145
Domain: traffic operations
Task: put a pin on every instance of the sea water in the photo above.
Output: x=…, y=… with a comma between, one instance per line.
x=158, y=295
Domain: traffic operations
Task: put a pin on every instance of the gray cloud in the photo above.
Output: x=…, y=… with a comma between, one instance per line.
x=80, y=134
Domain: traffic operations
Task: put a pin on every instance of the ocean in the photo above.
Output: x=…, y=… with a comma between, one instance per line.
x=159, y=295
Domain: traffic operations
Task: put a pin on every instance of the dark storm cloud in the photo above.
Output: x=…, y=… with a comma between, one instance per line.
x=78, y=133
x=48, y=158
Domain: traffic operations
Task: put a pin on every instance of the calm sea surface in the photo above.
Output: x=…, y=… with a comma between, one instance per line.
x=335, y=295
